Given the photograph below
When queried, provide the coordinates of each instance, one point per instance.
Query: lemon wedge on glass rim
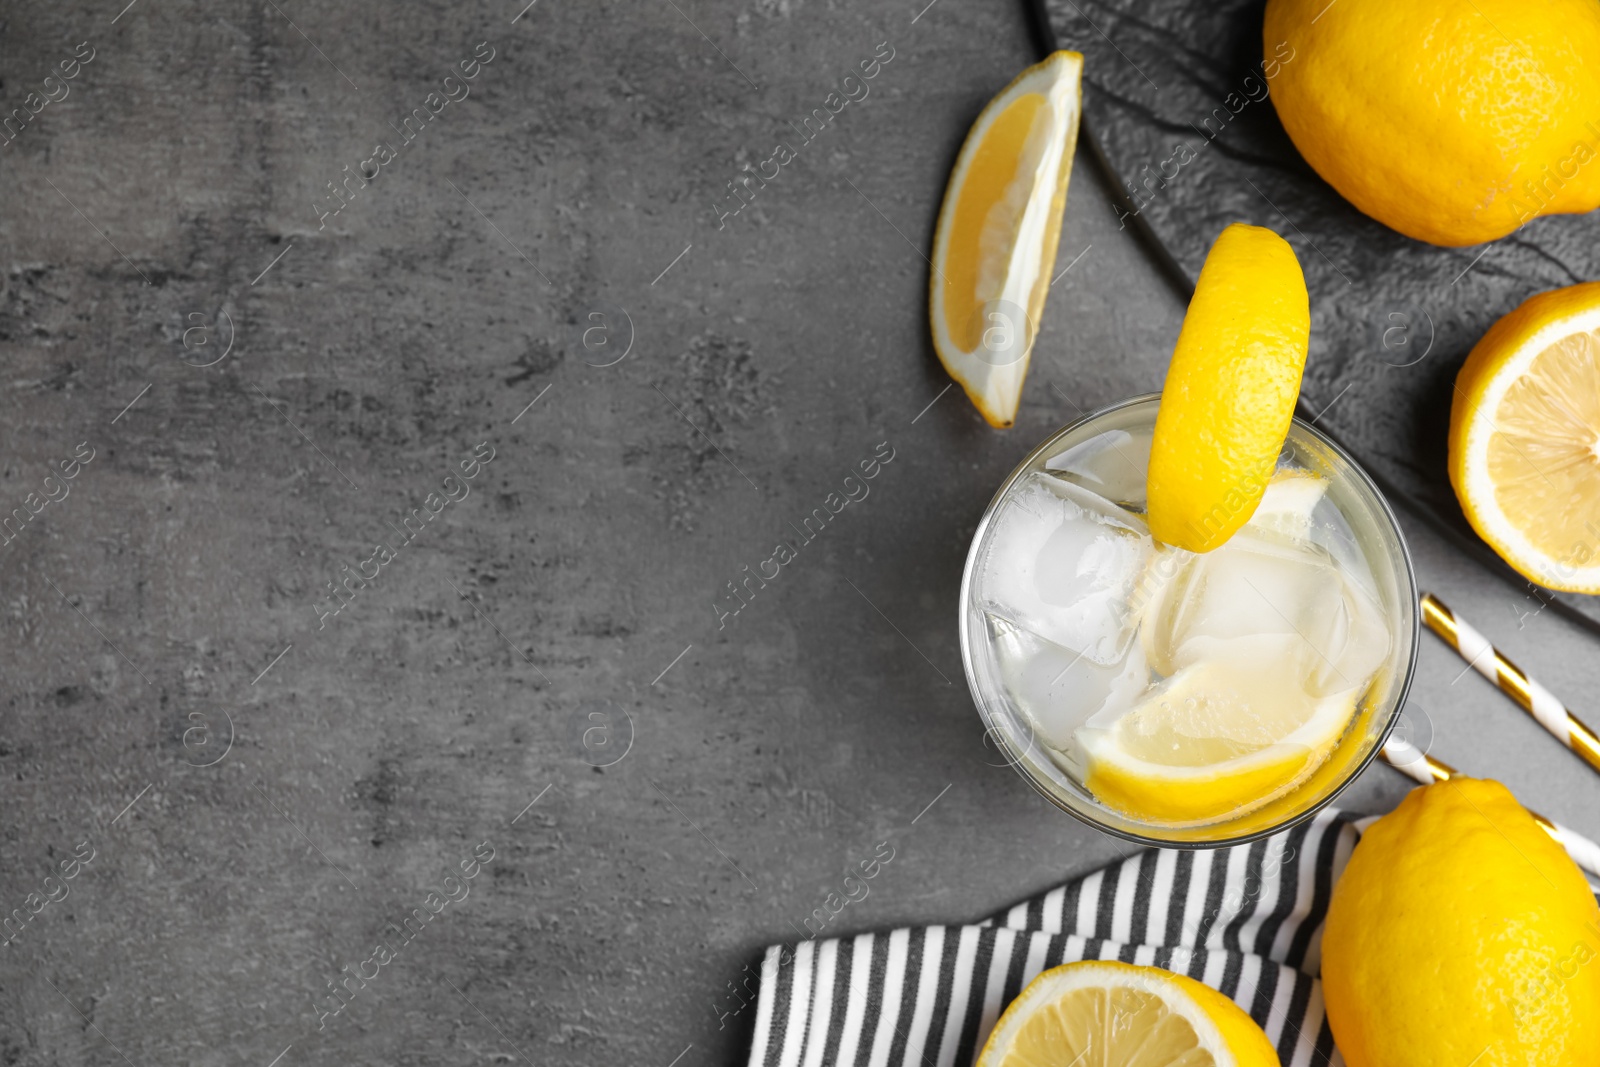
(995, 242)
(1230, 391)
(1110, 1014)
(1525, 438)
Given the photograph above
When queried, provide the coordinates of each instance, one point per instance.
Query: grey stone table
(534, 312)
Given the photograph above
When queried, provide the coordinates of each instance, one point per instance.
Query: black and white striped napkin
(1245, 920)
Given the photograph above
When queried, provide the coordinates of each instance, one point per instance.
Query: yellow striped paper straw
(1414, 763)
(1530, 696)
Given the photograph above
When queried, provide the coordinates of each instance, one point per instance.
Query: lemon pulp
(998, 231)
(989, 213)
(1112, 1014)
(1543, 456)
(1077, 1029)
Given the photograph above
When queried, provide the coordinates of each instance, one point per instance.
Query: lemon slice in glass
(1220, 737)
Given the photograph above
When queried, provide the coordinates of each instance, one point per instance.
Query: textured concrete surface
(537, 674)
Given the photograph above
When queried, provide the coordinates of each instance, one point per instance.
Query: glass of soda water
(1183, 699)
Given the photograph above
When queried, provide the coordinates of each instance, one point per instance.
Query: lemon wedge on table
(1525, 438)
(1221, 736)
(1230, 390)
(1108, 1014)
(996, 238)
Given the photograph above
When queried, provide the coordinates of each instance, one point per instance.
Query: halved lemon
(1218, 738)
(1109, 1014)
(1525, 438)
(996, 239)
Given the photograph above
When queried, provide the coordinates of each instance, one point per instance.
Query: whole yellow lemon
(1461, 933)
(1451, 121)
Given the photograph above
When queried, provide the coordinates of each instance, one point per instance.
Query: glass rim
(1015, 759)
